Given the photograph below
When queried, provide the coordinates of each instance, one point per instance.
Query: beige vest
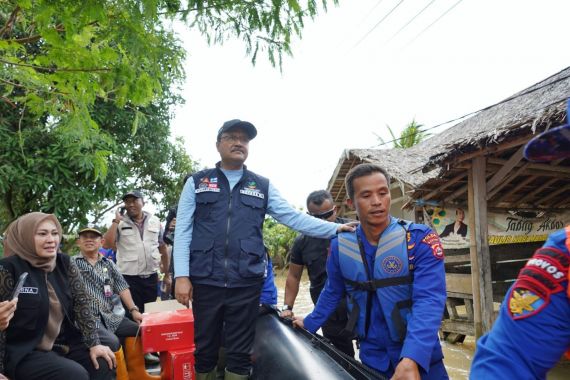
(136, 256)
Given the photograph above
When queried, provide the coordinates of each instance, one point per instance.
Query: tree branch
(10, 23)
(53, 69)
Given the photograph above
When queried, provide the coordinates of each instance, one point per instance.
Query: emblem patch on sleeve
(524, 303)
(432, 240)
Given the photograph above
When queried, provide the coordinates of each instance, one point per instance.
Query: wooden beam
(455, 194)
(481, 238)
(506, 181)
(516, 189)
(437, 191)
(554, 194)
(505, 170)
(532, 194)
(489, 150)
(535, 166)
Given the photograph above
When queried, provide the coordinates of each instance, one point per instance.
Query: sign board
(452, 225)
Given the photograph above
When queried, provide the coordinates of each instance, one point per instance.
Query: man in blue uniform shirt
(219, 256)
(532, 331)
(393, 273)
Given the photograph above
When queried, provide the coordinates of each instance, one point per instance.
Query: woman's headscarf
(20, 241)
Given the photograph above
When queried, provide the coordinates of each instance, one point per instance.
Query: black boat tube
(282, 352)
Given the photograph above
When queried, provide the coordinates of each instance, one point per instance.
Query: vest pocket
(252, 262)
(253, 207)
(201, 259)
(204, 203)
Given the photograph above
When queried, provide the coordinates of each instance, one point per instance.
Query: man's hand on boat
(183, 290)
(407, 369)
(298, 322)
(286, 314)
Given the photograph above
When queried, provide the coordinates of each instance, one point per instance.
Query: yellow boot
(122, 373)
(135, 360)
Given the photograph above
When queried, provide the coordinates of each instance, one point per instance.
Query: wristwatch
(286, 307)
(133, 308)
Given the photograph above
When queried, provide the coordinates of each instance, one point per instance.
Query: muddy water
(457, 356)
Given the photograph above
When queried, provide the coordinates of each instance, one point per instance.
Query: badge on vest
(252, 190)
(392, 265)
(208, 184)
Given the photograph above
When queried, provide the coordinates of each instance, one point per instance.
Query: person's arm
(110, 237)
(182, 240)
(294, 275)
(282, 211)
(121, 287)
(6, 287)
(330, 297)
(130, 304)
(428, 298)
(84, 318)
(292, 284)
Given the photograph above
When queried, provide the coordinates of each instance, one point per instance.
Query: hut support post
(479, 250)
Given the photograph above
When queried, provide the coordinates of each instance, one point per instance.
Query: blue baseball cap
(237, 123)
(551, 145)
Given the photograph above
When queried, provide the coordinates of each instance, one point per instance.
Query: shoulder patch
(541, 277)
(524, 303)
(433, 241)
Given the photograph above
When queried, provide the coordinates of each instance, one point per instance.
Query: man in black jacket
(312, 253)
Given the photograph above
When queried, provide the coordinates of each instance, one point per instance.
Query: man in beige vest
(137, 239)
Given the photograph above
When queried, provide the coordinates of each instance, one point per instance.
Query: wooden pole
(481, 239)
(478, 327)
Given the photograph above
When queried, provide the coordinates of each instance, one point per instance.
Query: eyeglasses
(323, 215)
(235, 138)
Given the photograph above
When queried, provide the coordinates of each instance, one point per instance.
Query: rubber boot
(206, 376)
(135, 360)
(122, 373)
(235, 376)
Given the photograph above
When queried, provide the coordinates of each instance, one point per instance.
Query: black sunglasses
(323, 215)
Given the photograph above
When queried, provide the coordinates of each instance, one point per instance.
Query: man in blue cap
(532, 331)
(219, 257)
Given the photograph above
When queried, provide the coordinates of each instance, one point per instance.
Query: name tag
(29, 290)
(210, 189)
(252, 193)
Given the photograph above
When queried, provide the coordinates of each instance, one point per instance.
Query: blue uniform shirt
(421, 344)
(525, 346)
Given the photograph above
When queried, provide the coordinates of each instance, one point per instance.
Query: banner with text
(452, 225)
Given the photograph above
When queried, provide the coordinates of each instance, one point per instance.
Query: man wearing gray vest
(137, 239)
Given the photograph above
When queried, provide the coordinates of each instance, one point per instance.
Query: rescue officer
(393, 272)
(141, 252)
(532, 330)
(312, 253)
(219, 256)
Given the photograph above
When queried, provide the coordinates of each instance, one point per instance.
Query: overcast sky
(349, 78)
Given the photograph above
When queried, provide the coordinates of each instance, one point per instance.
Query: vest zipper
(227, 241)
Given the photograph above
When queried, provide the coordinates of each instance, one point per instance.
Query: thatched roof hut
(435, 169)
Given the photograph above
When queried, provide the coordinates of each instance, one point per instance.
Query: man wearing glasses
(219, 257)
(312, 253)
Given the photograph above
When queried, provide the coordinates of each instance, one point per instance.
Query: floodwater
(457, 356)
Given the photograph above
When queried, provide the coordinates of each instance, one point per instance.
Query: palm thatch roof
(435, 169)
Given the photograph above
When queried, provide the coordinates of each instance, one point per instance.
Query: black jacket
(27, 326)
